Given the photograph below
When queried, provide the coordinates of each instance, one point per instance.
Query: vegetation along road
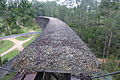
(17, 45)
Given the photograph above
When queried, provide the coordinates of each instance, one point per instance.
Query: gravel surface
(57, 49)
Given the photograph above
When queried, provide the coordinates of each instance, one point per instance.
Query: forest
(96, 22)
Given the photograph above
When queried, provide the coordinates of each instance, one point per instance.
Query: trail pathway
(17, 45)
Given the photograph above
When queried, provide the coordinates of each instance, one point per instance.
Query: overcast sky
(47, 0)
(59, 1)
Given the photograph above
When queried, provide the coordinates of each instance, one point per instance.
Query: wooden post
(62, 76)
(39, 76)
(65, 76)
(47, 76)
(43, 76)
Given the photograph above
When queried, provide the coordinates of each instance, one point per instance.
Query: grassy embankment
(22, 38)
(5, 45)
(30, 41)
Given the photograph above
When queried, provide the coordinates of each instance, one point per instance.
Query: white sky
(60, 0)
(47, 0)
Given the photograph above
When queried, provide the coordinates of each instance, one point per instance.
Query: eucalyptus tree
(38, 8)
(49, 8)
(109, 12)
(3, 12)
(15, 14)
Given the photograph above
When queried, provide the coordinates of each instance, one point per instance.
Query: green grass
(22, 38)
(11, 55)
(5, 45)
(30, 41)
(24, 30)
(8, 76)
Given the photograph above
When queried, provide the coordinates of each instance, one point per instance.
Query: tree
(108, 10)
(17, 14)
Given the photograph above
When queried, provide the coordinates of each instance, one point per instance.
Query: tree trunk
(104, 50)
(109, 43)
(46, 76)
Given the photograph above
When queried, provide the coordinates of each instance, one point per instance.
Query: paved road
(13, 36)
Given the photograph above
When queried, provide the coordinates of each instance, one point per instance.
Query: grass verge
(30, 41)
(22, 38)
(5, 45)
(10, 55)
(8, 76)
